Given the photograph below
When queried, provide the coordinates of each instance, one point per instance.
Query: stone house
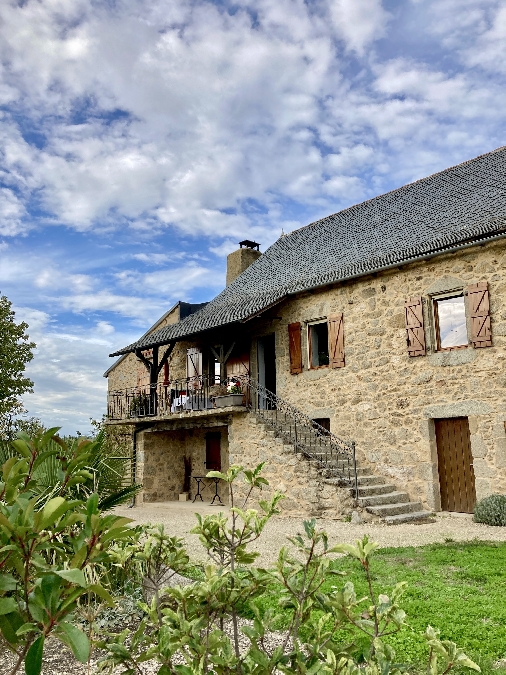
(366, 351)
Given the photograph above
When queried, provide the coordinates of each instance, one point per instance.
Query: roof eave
(439, 250)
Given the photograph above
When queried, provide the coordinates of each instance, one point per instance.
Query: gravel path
(179, 519)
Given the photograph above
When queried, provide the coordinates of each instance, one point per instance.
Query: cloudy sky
(141, 139)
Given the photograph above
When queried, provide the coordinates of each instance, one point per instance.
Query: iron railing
(163, 399)
(332, 454)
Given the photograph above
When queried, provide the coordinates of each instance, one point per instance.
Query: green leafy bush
(198, 628)
(54, 544)
(105, 474)
(491, 510)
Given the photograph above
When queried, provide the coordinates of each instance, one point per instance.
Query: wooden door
(213, 452)
(455, 462)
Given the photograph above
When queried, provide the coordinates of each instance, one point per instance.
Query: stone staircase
(376, 495)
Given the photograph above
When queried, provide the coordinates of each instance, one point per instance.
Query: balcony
(198, 396)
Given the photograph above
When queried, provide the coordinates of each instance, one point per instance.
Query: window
(318, 334)
(323, 422)
(450, 323)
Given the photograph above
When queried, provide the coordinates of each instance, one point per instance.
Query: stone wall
(382, 399)
(305, 491)
(160, 465)
(387, 401)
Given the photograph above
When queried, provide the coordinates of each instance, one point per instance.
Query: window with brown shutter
(294, 338)
(318, 344)
(415, 333)
(479, 314)
(336, 341)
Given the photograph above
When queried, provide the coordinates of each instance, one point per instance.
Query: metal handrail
(333, 454)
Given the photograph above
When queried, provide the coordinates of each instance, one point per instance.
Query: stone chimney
(239, 260)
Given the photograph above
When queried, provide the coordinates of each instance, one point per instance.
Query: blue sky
(141, 140)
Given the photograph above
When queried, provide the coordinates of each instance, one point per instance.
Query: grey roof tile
(464, 203)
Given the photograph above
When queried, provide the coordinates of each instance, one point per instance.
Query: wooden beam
(153, 373)
(222, 359)
(141, 357)
(166, 356)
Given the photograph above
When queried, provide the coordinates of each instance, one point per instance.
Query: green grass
(458, 588)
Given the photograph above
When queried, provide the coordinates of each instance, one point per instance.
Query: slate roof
(463, 204)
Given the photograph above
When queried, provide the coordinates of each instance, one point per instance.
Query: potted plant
(233, 396)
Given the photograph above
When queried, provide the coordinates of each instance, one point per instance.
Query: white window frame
(315, 322)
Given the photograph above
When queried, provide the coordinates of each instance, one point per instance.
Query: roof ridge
(401, 187)
(461, 206)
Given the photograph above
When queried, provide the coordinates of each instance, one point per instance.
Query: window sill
(454, 357)
(317, 367)
(452, 349)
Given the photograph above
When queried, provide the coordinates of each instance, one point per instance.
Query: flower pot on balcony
(228, 399)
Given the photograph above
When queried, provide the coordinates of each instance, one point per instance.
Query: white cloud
(67, 369)
(152, 258)
(359, 22)
(222, 106)
(12, 211)
(104, 328)
(224, 248)
(173, 283)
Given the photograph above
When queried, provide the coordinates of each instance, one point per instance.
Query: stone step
(394, 497)
(395, 509)
(362, 478)
(370, 479)
(414, 517)
(369, 490)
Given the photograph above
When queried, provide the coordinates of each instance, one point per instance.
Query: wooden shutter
(479, 312)
(336, 341)
(415, 334)
(294, 339)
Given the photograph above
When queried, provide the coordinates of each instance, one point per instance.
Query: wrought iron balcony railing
(330, 453)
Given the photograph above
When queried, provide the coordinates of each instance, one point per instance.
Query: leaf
(74, 576)
(9, 623)
(22, 448)
(76, 640)
(7, 581)
(26, 628)
(7, 605)
(33, 660)
(7, 467)
(102, 593)
(54, 508)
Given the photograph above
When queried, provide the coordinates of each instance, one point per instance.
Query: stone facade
(382, 399)
(387, 401)
(160, 461)
(305, 492)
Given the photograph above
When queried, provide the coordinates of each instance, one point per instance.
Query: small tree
(15, 352)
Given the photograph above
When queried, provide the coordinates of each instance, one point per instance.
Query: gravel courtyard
(179, 518)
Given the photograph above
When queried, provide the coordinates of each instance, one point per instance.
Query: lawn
(459, 588)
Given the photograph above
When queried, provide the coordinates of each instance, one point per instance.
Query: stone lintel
(459, 409)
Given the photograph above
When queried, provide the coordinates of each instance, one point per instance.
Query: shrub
(196, 629)
(491, 510)
(54, 546)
